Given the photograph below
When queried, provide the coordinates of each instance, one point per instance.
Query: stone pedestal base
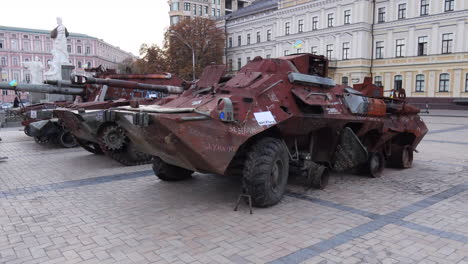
(66, 73)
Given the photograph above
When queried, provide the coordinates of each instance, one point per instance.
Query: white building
(420, 45)
(179, 9)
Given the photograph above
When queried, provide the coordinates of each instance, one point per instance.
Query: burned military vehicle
(95, 132)
(273, 115)
(38, 120)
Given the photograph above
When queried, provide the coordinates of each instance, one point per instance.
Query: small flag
(298, 44)
(13, 83)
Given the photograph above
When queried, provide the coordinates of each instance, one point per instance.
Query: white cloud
(122, 23)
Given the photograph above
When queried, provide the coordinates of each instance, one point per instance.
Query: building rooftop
(42, 31)
(255, 7)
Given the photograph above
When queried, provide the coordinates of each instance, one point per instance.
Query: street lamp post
(177, 35)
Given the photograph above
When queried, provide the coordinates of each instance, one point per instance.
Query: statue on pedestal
(36, 69)
(59, 52)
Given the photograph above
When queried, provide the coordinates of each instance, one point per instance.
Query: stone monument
(60, 66)
(36, 69)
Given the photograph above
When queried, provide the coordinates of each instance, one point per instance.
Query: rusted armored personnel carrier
(93, 129)
(272, 116)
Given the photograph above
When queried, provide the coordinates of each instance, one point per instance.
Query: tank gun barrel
(170, 89)
(43, 88)
(63, 83)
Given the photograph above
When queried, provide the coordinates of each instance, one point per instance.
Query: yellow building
(418, 45)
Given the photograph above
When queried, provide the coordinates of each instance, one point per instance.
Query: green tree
(203, 36)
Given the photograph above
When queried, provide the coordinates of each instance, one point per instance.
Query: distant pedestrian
(16, 102)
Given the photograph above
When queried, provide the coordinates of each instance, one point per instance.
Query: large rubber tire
(27, 130)
(401, 157)
(66, 139)
(376, 164)
(90, 146)
(168, 172)
(266, 172)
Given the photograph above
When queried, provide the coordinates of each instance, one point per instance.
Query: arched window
(344, 80)
(420, 83)
(3, 61)
(444, 82)
(79, 64)
(398, 82)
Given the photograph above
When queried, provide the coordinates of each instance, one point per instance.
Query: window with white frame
(258, 37)
(230, 65)
(14, 44)
(314, 50)
(315, 23)
(400, 48)
(300, 25)
(239, 40)
(402, 11)
(37, 45)
(379, 50)
(424, 11)
(239, 63)
(194, 9)
(287, 28)
(344, 80)
(329, 51)
(269, 35)
(268, 56)
(186, 6)
(15, 62)
(447, 43)
(422, 46)
(420, 79)
(3, 61)
(78, 49)
(398, 82)
(346, 51)
(449, 5)
(347, 17)
(69, 48)
(2, 43)
(248, 39)
(286, 52)
(378, 81)
(330, 20)
(26, 45)
(444, 82)
(381, 15)
(230, 42)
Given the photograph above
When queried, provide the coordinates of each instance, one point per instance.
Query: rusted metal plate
(211, 75)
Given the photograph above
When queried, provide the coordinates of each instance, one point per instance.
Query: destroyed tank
(37, 119)
(92, 128)
(273, 119)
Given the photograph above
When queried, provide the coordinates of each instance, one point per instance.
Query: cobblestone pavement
(70, 206)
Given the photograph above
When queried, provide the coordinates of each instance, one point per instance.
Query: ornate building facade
(203, 8)
(418, 45)
(19, 45)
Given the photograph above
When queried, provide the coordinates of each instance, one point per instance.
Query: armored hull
(272, 116)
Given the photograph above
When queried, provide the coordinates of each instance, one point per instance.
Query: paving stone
(69, 206)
